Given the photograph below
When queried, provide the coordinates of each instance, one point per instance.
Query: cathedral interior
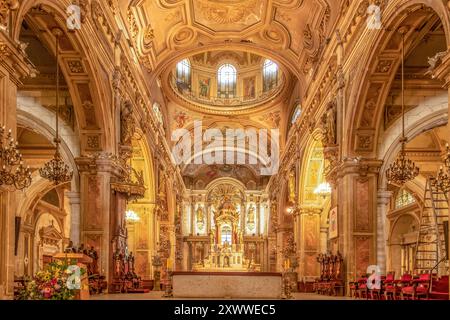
(282, 147)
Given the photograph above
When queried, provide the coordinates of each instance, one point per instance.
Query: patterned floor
(159, 296)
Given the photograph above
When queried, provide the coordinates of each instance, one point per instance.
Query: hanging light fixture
(131, 216)
(447, 158)
(56, 170)
(443, 181)
(13, 173)
(403, 169)
(323, 190)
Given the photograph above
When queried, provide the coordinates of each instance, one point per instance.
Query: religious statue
(329, 125)
(211, 237)
(70, 248)
(117, 257)
(82, 249)
(200, 216)
(130, 262)
(127, 124)
(251, 215)
(93, 254)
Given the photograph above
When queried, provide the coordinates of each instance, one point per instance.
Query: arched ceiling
(294, 32)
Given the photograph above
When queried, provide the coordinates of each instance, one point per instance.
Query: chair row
(408, 287)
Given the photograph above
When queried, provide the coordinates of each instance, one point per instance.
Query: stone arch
(84, 77)
(39, 184)
(428, 115)
(365, 110)
(141, 234)
(403, 223)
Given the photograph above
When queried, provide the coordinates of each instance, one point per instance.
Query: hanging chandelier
(447, 158)
(403, 169)
(13, 173)
(443, 181)
(56, 170)
(323, 190)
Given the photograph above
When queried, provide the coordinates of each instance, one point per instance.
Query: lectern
(81, 260)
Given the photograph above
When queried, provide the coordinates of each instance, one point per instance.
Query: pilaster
(356, 199)
(13, 67)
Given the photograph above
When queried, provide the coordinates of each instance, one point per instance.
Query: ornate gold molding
(14, 59)
(442, 71)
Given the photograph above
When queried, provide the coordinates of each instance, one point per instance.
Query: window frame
(226, 82)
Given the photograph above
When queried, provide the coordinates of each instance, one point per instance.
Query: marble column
(75, 216)
(382, 228)
(258, 217)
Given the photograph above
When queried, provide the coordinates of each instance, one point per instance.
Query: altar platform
(227, 285)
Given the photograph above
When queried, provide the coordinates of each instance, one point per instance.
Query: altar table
(220, 285)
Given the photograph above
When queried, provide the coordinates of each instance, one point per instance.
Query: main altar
(224, 230)
(226, 247)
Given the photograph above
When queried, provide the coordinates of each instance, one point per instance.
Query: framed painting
(333, 228)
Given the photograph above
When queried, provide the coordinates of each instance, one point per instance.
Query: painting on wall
(311, 232)
(333, 231)
(204, 87)
(249, 88)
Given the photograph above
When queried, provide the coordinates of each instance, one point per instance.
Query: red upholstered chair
(393, 288)
(419, 288)
(362, 291)
(376, 293)
(353, 286)
(439, 289)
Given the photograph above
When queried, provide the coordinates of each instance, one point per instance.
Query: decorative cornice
(310, 210)
(14, 59)
(358, 166)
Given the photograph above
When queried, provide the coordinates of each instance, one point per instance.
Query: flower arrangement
(58, 281)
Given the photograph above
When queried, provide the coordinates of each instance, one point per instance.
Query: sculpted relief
(230, 14)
